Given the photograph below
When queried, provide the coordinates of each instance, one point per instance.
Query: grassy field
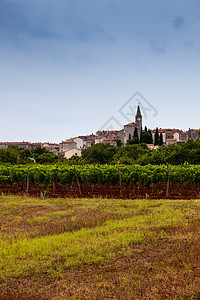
(99, 249)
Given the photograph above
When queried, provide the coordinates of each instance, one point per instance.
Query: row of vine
(101, 174)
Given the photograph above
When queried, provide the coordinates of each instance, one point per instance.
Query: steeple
(138, 112)
(138, 121)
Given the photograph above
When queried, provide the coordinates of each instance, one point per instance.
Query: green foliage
(135, 135)
(119, 143)
(14, 155)
(146, 137)
(156, 140)
(140, 154)
(103, 173)
(39, 151)
(161, 139)
(99, 154)
(46, 158)
(132, 141)
(132, 153)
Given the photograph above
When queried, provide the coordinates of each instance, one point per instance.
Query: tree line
(14, 155)
(188, 152)
(146, 137)
(132, 153)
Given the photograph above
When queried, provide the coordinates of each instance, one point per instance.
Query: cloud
(178, 22)
(86, 31)
(18, 19)
(158, 47)
(189, 44)
(49, 20)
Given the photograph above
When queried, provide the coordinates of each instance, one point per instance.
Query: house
(21, 145)
(180, 135)
(51, 147)
(73, 143)
(170, 134)
(71, 147)
(89, 142)
(181, 141)
(106, 133)
(61, 153)
(152, 146)
(171, 141)
(193, 134)
(110, 141)
(66, 146)
(72, 152)
(35, 145)
(99, 139)
(166, 133)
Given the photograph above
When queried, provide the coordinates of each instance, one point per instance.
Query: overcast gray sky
(68, 66)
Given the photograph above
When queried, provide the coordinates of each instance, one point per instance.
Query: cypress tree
(136, 135)
(150, 141)
(140, 138)
(161, 139)
(156, 139)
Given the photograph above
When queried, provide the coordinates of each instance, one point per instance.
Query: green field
(99, 249)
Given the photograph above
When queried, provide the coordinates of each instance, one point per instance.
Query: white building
(72, 152)
(74, 143)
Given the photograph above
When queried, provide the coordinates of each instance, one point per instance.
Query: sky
(73, 67)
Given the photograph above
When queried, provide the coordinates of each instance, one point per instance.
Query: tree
(161, 139)
(39, 150)
(132, 141)
(146, 137)
(119, 142)
(99, 153)
(139, 138)
(156, 139)
(150, 137)
(47, 158)
(135, 135)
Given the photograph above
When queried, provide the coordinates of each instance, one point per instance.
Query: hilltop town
(73, 146)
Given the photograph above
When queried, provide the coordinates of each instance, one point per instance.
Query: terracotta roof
(107, 131)
(167, 130)
(67, 142)
(109, 140)
(70, 140)
(171, 139)
(15, 143)
(130, 124)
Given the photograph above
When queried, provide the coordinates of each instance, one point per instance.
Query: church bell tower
(138, 121)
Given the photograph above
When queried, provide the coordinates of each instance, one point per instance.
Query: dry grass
(99, 249)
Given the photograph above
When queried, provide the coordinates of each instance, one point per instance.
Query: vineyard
(110, 181)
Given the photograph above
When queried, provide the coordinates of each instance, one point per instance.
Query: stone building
(73, 143)
(129, 129)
